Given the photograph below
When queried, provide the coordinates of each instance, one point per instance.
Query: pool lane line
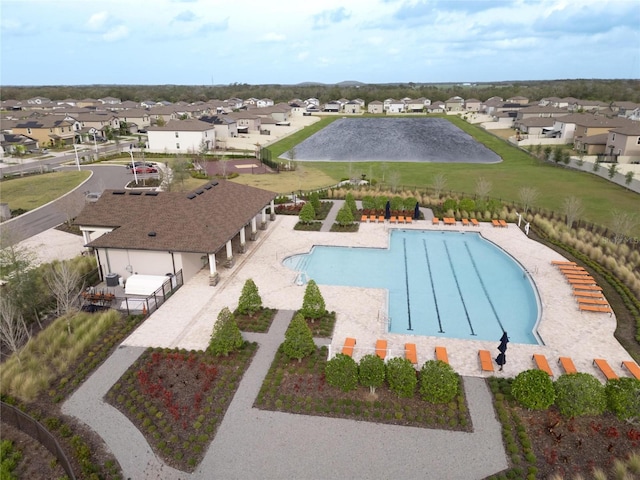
(455, 277)
(406, 281)
(433, 288)
(484, 288)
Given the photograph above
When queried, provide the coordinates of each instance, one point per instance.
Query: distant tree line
(586, 89)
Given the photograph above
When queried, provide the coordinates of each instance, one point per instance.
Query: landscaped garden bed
(259, 322)
(301, 387)
(177, 399)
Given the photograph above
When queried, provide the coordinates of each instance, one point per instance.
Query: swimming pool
(446, 284)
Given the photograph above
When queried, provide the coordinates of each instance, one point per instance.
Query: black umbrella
(502, 348)
(501, 360)
(416, 212)
(387, 210)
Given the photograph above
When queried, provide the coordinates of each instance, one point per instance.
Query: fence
(37, 431)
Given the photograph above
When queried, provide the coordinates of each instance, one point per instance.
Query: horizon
(207, 43)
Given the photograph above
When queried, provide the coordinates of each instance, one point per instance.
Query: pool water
(444, 284)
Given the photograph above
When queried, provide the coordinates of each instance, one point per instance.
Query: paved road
(68, 206)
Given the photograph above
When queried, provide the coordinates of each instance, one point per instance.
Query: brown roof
(195, 222)
(188, 125)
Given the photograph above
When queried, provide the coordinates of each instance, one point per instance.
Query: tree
(226, 336)
(371, 372)
(177, 173)
(394, 180)
(64, 281)
(298, 339)
(307, 213)
(70, 205)
(314, 198)
(439, 383)
(628, 177)
(313, 305)
(401, 377)
(622, 224)
(557, 154)
(439, 183)
(548, 152)
(483, 187)
(250, 301)
(351, 203)
(528, 196)
(572, 209)
(342, 372)
(13, 329)
(161, 121)
(612, 170)
(344, 216)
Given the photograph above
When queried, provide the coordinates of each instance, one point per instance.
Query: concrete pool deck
(361, 312)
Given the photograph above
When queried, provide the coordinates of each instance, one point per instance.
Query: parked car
(145, 169)
(140, 164)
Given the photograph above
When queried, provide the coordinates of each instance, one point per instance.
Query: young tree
(401, 377)
(557, 154)
(612, 170)
(226, 336)
(548, 152)
(70, 205)
(177, 173)
(313, 305)
(250, 301)
(394, 180)
(573, 209)
(64, 281)
(344, 216)
(342, 372)
(528, 196)
(351, 203)
(371, 372)
(13, 329)
(628, 177)
(622, 223)
(307, 213)
(314, 199)
(439, 183)
(298, 339)
(483, 187)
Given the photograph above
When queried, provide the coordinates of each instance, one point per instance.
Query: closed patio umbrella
(502, 348)
(387, 210)
(416, 212)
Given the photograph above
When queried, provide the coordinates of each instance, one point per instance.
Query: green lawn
(518, 169)
(36, 190)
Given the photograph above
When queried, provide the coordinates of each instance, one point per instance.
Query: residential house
(519, 99)
(298, 108)
(235, 103)
(101, 122)
(162, 112)
(10, 143)
(392, 106)
(541, 112)
(533, 126)
(332, 107)
(164, 234)
(624, 142)
(312, 101)
(352, 107)
(575, 125)
(38, 101)
(454, 104)
(110, 101)
(376, 107)
(628, 110)
(224, 126)
(89, 103)
(592, 144)
(148, 103)
(417, 105)
(181, 136)
(592, 106)
(436, 107)
(135, 116)
(247, 122)
(47, 130)
(472, 105)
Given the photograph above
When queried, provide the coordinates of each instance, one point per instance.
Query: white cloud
(273, 37)
(116, 33)
(97, 20)
(303, 56)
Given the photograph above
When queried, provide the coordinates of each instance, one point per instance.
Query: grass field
(518, 169)
(36, 190)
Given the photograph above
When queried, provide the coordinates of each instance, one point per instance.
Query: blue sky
(200, 42)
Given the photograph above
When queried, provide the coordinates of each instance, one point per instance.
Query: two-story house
(181, 136)
(48, 130)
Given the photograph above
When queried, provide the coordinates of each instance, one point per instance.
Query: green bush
(449, 204)
(307, 213)
(344, 216)
(250, 301)
(298, 339)
(397, 203)
(623, 397)
(533, 389)
(467, 204)
(314, 199)
(381, 202)
(369, 202)
(313, 305)
(342, 372)
(9, 457)
(371, 372)
(438, 382)
(401, 377)
(226, 336)
(350, 203)
(580, 394)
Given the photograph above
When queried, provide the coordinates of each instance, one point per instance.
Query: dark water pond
(393, 140)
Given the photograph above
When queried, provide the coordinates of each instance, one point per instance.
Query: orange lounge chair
(393, 219)
(570, 268)
(441, 354)
(542, 364)
(400, 218)
(381, 348)
(578, 276)
(592, 301)
(594, 308)
(349, 344)
(408, 219)
(503, 223)
(372, 218)
(604, 367)
(381, 219)
(567, 365)
(575, 281)
(562, 262)
(486, 362)
(633, 368)
(591, 288)
(450, 221)
(410, 353)
(465, 222)
(475, 222)
(435, 221)
(578, 293)
(495, 223)
(364, 218)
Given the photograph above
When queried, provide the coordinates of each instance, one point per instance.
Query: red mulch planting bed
(177, 399)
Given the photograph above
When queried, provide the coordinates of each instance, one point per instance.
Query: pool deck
(361, 312)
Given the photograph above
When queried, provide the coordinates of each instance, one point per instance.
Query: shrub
(397, 203)
(350, 203)
(438, 382)
(298, 339)
(250, 301)
(313, 305)
(580, 394)
(344, 216)
(623, 397)
(533, 389)
(401, 377)
(314, 199)
(371, 372)
(449, 204)
(342, 372)
(368, 202)
(308, 213)
(226, 336)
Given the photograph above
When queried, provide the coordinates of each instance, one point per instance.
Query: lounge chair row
(381, 219)
(452, 221)
(499, 223)
(381, 349)
(587, 292)
(569, 367)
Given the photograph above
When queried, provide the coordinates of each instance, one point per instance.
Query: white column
(273, 210)
(264, 215)
(86, 236)
(229, 251)
(242, 237)
(212, 264)
(253, 225)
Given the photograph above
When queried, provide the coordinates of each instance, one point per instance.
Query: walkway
(252, 443)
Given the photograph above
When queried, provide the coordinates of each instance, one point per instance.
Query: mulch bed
(239, 166)
(260, 322)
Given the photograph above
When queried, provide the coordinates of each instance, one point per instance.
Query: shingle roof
(188, 125)
(197, 222)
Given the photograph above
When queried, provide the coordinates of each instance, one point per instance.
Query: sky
(205, 42)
